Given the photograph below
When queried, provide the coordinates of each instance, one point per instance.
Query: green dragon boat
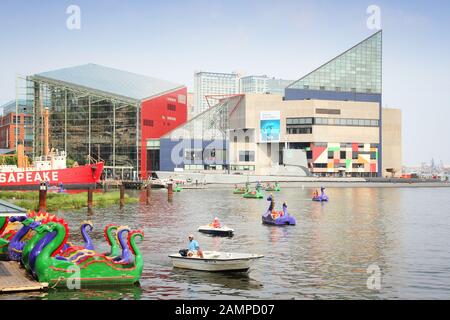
(274, 188)
(177, 188)
(91, 267)
(256, 194)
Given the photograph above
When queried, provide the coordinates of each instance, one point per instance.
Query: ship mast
(46, 149)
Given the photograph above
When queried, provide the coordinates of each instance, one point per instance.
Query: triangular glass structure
(356, 70)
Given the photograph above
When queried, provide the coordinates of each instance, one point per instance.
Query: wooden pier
(13, 278)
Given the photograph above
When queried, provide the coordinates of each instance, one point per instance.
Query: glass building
(103, 114)
(356, 75)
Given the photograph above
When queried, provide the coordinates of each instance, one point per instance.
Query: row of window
(343, 154)
(242, 168)
(299, 130)
(246, 156)
(339, 165)
(332, 122)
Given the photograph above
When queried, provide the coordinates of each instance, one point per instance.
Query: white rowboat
(216, 261)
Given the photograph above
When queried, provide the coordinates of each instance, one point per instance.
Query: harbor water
(400, 236)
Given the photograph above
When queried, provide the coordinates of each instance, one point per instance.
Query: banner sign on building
(270, 126)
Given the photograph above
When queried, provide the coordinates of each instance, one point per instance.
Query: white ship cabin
(54, 161)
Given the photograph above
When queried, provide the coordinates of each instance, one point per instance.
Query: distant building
(213, 83)
(263, 84)
(17, 127)
(190, 105)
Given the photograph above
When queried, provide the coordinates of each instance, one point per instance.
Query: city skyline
(287, 41)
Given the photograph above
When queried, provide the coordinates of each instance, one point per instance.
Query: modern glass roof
(113, 81)
(356, 70)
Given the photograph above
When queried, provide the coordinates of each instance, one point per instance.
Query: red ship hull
(77, 177)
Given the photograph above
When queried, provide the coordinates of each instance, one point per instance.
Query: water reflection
(326, 255)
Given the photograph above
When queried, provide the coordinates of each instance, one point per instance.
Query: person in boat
(194, 247)
(216, 223)
(316, 194)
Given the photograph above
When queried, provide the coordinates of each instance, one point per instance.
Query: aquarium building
(100, 113)
(330, 122)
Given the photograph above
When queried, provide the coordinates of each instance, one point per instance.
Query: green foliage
(8, 160)
(69, 162)
(60, 201)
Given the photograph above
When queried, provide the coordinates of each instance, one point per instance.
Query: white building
(213, 83)
(263, 84)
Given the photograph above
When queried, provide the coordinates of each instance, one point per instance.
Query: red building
(10, 123)
(97, 112)
(160, 115)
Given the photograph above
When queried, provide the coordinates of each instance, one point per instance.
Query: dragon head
(87, 224)
(121, 230)
(109, 227)
(132, 235)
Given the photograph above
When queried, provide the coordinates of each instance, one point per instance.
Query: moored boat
(215, 261)
(50, 169)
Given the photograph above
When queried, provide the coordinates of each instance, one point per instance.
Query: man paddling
(194, 248)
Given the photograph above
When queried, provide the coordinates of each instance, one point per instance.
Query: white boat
(222, 231)
(216, 261)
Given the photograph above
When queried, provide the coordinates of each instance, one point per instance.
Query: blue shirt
(193, 245)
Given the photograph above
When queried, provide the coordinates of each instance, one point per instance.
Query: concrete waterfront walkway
(221, 179)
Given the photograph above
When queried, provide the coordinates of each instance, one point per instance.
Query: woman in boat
(216, 223)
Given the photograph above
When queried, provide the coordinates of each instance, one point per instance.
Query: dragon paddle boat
(281, 218)
(241, 190)
(177, 188)
(255, 194)
(90, 268)
(320, 198)
(9, 226)
(14, 230)
(275, 187)
(67, 250)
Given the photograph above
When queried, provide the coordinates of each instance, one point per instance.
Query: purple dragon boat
(322, 197)
(281, 219)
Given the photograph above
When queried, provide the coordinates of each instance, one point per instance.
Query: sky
(285, 39)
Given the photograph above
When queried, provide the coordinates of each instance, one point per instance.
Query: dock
(13, 278)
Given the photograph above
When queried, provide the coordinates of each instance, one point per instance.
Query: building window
(299, 130)
(171, 107)
(148, 123)
(330, 155)
(328, 111)
(320, 165)
(343, 155)
(193, 154)
(246, 156)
